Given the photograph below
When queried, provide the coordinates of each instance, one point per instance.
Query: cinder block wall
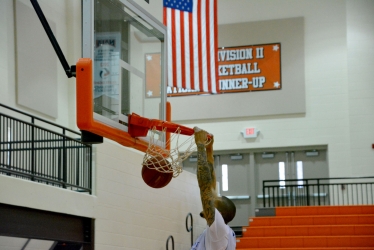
(131, 215)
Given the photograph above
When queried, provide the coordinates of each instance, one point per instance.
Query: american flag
(192, 44)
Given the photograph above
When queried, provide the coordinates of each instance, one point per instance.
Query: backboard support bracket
(87, 136)
(91, 138)
(69, 70)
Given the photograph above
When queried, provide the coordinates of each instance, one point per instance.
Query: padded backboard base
(85, 110)
(91, 138)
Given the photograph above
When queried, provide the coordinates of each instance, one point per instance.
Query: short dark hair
(227, 208)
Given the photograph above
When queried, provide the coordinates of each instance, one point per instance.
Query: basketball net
(169, 159)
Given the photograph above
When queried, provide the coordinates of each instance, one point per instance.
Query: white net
(168, 160)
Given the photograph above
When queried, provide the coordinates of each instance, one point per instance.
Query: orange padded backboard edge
(85, 120)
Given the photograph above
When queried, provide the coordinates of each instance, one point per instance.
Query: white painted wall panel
(36, 63)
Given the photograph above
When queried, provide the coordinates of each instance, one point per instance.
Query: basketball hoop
(169, 143)
(173, 156)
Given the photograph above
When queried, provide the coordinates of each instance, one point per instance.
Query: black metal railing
(172, 242)
(190, 228)
(38, 150)
(318, 192)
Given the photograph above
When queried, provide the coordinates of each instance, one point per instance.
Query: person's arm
(205, 174)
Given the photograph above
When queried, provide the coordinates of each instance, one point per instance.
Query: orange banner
(249, 68)
(153, 75)
(240, 69)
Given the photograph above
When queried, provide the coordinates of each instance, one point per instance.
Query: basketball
(154, 178)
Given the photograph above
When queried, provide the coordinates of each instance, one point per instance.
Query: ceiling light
(312, 153)
(236, 157)
(267, 155)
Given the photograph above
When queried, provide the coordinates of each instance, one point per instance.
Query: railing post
(278, 198)
(307, 194)
(90, 170)
(190, 229)
(32, 148)
(172, 242)
(77, 162)
(64, 161)
(319, 196)
(263, 193)
(10, 143)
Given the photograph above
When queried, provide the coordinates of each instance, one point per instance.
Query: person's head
(226, 207)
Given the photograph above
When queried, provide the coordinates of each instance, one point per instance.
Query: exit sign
(250, 133)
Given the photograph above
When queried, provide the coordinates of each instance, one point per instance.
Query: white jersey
(218, 236)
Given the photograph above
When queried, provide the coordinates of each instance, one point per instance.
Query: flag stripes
(193, 46)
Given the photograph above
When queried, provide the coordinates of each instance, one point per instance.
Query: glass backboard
(121, 38)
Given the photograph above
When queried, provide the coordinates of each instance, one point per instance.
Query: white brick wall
(7, 82)
(360, 21)
(131, 215)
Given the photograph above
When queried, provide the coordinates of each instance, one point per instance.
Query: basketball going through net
(169, 145)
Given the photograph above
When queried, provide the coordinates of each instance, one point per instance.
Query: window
(282, 174)
(299, 173)
(225, 181)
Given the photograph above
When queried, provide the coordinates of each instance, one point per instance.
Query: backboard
(119, 40)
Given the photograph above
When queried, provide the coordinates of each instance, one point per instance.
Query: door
(233, 176)
(289, 165)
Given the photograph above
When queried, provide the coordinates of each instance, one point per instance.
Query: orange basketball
(154, 178)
